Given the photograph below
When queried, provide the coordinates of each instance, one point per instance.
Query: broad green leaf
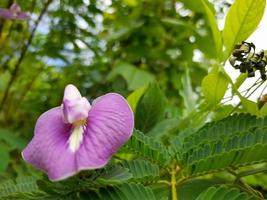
(135, 96)
(150, 109)
(242, 19)
(214, 29)
(250, 106)
(134, 76)
(214, 87)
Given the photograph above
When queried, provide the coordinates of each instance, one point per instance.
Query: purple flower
(14, 12)
(78, 136)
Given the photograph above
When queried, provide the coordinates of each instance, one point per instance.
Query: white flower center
(76, 136)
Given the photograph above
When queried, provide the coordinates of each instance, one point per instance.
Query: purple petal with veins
(67, 141)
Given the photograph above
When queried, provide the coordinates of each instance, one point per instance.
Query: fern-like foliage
(148, 148)
(22, 184)
(128, 191)
(224, 192)
(234, 141)
(142, 171)
(223, 129)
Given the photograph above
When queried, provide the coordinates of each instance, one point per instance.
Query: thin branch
(23, 53)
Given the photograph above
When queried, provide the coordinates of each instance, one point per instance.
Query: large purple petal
(49, 148)
(110, 125)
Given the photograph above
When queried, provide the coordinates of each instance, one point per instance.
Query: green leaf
(187, 93)
(135, 96)
(177, 143)
(224, 192)
(224, 128)
(129, 191)
(12, 139)
(23, 184)
(250, 106)
(214, 87)
(142, 170)
(134, 76)
(263, 110)
(5, 158)
(214, 28)
(240, 80)
(4, 77)
(176, 22)
(223, 111)
(191, 189)
(242, 19)
(163, 128)
(234, 141)
(131, 3)
(196, 5)
(114, 175)
(147, 147)
(150, 109)
(242, 149)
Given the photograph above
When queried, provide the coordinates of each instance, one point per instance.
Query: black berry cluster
(247, 61)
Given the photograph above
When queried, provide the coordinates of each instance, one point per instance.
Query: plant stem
(174, 170)
(251, 172)
(164, 182)
(242, 185)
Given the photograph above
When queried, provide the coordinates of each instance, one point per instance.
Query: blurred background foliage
(101, 46)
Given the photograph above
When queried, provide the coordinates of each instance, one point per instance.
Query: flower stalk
(174, 171)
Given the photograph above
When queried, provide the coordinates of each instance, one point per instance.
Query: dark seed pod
(232, 60)
(248, 62)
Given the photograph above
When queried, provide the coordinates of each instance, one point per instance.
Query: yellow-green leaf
(135, 96)
(242, 19)
(250, 106)
(214, 87)
(217, 38)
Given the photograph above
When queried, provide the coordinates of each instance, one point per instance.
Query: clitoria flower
(14, 12)
(78, 136)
